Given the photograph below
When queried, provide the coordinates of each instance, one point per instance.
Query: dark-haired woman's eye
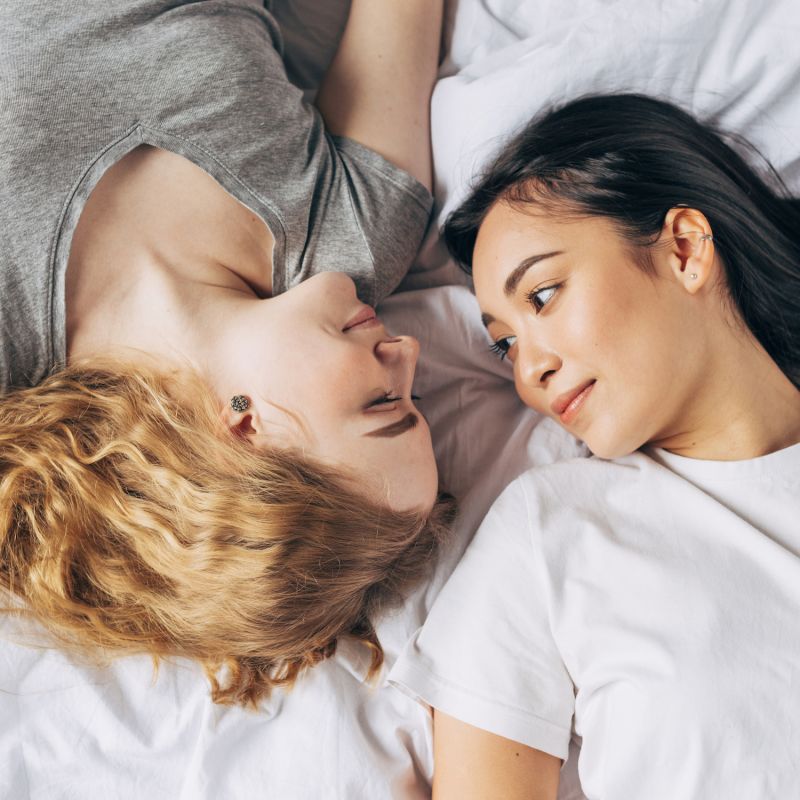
(539, 298)
(501, 346)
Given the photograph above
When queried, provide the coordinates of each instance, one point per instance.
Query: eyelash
(501, 347)
(386, 397)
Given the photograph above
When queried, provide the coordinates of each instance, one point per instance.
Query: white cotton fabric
(649, 606)
(732, 62)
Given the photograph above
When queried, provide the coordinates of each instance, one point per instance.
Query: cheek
(532, 397)
(597, 321)
(330, 370)
(610, 327)
(306, 392)
(648, 346)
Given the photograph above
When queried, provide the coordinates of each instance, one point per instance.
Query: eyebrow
(513, 280)
(408, 422)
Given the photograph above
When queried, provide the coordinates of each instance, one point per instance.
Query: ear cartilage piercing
(240, 403)
(707, 237)
(693, 276)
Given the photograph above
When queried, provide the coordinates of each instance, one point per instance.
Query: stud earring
(693, 276)
(240, 403)
(707, 237)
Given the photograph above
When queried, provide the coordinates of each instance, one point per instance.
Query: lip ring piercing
(240, 403)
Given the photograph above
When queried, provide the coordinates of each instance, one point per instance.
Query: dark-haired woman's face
(612, 352)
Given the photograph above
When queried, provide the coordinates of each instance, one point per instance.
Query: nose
(398, 349)
(398, 355)
(535, 365)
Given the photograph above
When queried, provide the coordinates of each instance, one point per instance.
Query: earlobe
(244, 428)
(239, 417)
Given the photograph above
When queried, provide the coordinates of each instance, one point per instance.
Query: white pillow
(734, 61)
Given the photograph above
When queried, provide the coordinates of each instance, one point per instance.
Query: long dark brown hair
(632, 158)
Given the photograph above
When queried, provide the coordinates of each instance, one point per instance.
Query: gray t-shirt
(82, 84)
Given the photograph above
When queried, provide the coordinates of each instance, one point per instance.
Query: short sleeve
(212, 79)
(391, 207)
(331, 203)
(486, 655)
(366, 217)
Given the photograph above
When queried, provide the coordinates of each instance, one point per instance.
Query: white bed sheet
(69, 731)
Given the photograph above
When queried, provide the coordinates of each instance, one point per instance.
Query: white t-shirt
(649, 606)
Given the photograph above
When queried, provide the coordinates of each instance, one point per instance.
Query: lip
(364, 318)
(567, 405)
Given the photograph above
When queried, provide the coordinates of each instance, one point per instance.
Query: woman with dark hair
(208, 444)
(644, 282)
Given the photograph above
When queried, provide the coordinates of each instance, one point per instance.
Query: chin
(423, 497)
(610, 446)
(415, 488)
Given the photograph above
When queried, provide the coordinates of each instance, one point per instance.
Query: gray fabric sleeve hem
(399, 178)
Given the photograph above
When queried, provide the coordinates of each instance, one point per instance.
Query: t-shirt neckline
(780, 462)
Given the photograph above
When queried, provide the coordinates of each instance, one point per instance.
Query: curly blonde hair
(131, 521)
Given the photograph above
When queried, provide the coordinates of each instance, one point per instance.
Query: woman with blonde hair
(208, 444)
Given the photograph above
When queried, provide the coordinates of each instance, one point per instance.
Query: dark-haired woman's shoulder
(581, 485)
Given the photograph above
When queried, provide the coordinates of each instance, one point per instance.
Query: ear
(240, 416)
(689, 245)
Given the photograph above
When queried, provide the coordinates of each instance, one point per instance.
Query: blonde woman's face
(323, 375)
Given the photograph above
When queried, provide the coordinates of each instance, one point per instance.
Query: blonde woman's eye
(386, 397)
(541, 297)
(501, 346)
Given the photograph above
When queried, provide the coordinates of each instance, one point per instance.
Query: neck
(158, 312)
(156, 238)
(743, 407)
